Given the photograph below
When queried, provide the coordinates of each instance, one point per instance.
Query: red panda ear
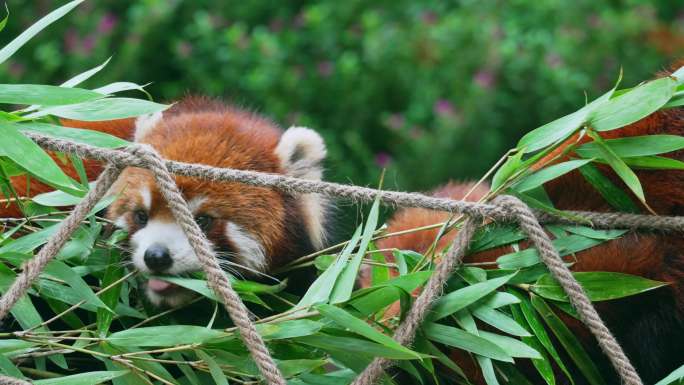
(301, 151)
(144, 124)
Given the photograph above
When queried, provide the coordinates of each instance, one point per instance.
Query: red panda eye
(204, 221)
(140, 217)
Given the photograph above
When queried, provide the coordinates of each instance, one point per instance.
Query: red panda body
(649, 326)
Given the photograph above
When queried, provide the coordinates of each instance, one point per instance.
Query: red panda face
(252, 229)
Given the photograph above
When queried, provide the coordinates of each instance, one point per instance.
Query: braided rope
(216, 277)
(32, 268)
(504, 209)
(4, 380)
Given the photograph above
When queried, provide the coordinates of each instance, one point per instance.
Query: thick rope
(216, 277)
(406, 331)
(362, 194)
(146, 157)
(4, 380)
(576, 294)
(34, 266)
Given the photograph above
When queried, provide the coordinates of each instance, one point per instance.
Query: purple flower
(184, 49)
(383, 159)
(107, 23)
(276, 25)
(16, 70)
(395, 121)
(429, 17)
(88, 43)
(325, 68)
(484, 78)
(443, 107)
(71, 41)
(553, 60)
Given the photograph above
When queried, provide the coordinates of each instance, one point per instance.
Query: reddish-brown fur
(650, 326)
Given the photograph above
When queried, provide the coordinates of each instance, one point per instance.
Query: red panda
(253, 229)
(649, 326)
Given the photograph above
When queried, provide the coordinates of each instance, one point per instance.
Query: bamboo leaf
(614, 195)
(90, 378)
(599, 285)
(461, 298)
(460, 339)
(45, 95)
(547, 174)
(102, 109)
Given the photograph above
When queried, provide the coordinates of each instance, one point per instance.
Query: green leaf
(379, 273)
(633, 105)
(569, 341)
(45, 95)
(65, 273)
(93, 138)
(499, 320)
(31, 31)
(634, 146)
(345, 283)
(460, 339)
(511, 346)
(32, 158)
(614, 195)
(461, 298)
(566, 245)
(57, 199)
(561, 128)
(89, 378)
(356, 345)
(110, 297)
(214, 368)
(654, 162)
(549, 173)
(102, 109)
(346, 320)
(543, 363)
(3, 23)
(599, 285)
(677, 375)
(322, 287)
(288, 329)
(163, 336)
(507, 169)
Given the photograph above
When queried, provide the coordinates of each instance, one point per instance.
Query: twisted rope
(4, 380)
(32, 268)
(504, 209)
(361, 194)
(216, 277)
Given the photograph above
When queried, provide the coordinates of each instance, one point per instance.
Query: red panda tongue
(158, 285)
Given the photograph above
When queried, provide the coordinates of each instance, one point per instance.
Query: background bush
(397, 84)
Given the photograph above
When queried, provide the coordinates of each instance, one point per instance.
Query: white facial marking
(250, 251)
(196, 202)
(146, 197)
(167, 234)
(144, 124)
(121, 222)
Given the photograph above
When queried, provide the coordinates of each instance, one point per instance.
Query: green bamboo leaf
(512, 164)
(379, 273)
(674, 377)
(542, 364)
(460, 339)
(345, 283)
(654, 163)
(90, 378)
(288, 329)
(566, 245)
(32, 158)
(214, 368)
(569, 341)
(3, 23)
(348, 321)
(614, 195)
(620, 167)
(499, 320)
(163, 336)
(512, 346)
(110, 298)
(45, 95)
(358, 346)
(633, 105)
(65, 273)
(562, 128)
(547, 174)
(461, 298)
(634, 146)
(487, 368)
(31, 31)
(321, 289)
(93, 138)
(102, 109)
(599, 285)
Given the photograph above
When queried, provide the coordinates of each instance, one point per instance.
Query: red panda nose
(158, 258)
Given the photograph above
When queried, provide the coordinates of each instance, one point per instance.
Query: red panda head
(252, 229)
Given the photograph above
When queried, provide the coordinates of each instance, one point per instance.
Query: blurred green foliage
(431, 90)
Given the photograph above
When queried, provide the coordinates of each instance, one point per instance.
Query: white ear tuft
(301, 151)
(145, 123)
